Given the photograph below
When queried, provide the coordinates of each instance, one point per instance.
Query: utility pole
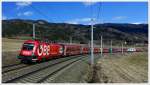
(110, 46)
(70, 40)
(33, 31)
(122, 47)
(92, 55)
(101, 45)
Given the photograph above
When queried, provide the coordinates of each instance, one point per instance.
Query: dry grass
(127, 68)
(10, 49)
(140, 60)
(11, 44)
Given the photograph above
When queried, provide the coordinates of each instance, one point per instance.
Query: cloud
(27, 13)
(22, 4)
(119, 18)
(137, 23)
(4, 17)
(80, 21)
(89, 3)
(83, 19)
(72, 22)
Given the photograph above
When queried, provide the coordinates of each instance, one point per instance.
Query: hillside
(80, 33)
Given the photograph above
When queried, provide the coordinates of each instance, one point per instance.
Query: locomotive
(35, 50)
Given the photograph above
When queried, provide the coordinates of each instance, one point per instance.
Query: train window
(28, 46)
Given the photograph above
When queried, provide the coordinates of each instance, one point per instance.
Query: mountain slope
(63, 31)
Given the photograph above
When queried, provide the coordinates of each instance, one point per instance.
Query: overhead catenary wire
(44, 16)
(98, 21)
(99, 10)
(41, 13)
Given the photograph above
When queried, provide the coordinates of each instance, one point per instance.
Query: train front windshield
(28, 46)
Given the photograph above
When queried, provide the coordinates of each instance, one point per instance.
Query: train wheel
(43, 59)
(37, 61)
(25, 61)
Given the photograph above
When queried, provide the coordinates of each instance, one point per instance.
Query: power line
(41, 13)
(92, 14)
(44, 15)
(99, 10)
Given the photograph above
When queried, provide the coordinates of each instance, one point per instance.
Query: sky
(78, 12)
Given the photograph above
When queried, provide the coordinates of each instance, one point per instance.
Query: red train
(35, 50)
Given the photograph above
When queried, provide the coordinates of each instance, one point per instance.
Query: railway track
(6, 66)
(63, 76)
(28, 73)
(122, 72)
(41, 75)
(13, 67)
(128, 72)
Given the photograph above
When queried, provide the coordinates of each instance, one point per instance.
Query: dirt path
(118, 68)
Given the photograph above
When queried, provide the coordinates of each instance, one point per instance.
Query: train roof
(31, 41)
(67, 44)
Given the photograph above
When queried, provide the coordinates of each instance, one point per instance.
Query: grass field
(127, 68)
(10, 49)
(11, 44)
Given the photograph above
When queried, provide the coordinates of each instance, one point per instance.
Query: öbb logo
(43, 50)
